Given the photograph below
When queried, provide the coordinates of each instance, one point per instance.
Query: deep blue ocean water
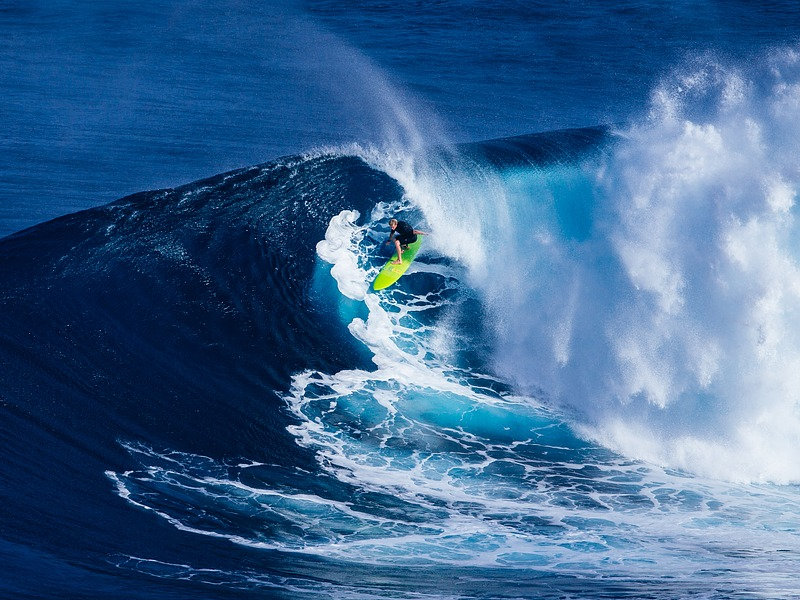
(587, 385)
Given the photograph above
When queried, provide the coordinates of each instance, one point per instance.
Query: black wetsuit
(405, 233)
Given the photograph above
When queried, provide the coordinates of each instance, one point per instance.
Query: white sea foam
(679, 313)
(338, 248)
(673, 330)
(705, 232)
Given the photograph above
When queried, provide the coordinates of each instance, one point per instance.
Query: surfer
(405, 235)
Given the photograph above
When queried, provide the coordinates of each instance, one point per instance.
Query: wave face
(585, 385)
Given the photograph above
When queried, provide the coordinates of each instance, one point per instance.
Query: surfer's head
(392, 223)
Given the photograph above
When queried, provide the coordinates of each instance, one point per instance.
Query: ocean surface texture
(586, 386)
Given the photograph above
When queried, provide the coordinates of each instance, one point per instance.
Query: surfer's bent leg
(399, 252)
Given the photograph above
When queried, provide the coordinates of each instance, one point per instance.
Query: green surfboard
(391, 272)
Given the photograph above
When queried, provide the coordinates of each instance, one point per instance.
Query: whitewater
(655, 284)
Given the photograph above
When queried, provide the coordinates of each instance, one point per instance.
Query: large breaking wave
(591, 369)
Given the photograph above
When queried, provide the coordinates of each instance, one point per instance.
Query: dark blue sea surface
(586, 386)
(105, 99)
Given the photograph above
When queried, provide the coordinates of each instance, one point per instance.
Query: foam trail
(338, 248)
